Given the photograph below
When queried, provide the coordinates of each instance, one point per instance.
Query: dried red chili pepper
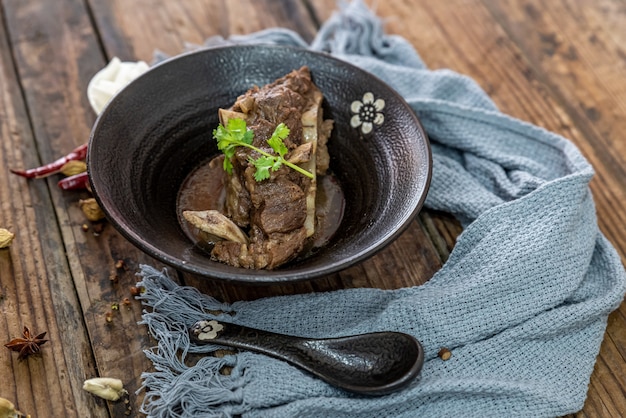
(79, 153)
(75, 182)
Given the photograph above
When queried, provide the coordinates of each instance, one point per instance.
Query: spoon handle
(373, 364)
(237, 336)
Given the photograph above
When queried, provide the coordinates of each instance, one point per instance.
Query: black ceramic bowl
(157, 130)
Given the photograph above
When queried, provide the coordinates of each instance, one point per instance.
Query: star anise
(27, 345)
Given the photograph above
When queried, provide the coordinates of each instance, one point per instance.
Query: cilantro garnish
(236, 134)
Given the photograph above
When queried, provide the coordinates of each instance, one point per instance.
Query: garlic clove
(7, 409)
(6, 237)
(107, 388)
(111, 79)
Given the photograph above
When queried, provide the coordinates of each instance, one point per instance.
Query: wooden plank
(134, 30)
(461, 35)
(36, 289)
(583, 66)
(56, 53)
(606, 384)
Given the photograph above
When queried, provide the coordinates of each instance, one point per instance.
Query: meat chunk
(279, 213)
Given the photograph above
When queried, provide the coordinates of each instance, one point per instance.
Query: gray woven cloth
(522, 302)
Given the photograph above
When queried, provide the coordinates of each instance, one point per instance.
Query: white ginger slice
(310, 119)
(246, 103)
(215, 223)
(301, 154)
(225, 115)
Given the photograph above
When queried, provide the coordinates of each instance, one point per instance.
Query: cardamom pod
(91, 209)
(6, 237)
(71, 168)
(107, 388)
(7, 409)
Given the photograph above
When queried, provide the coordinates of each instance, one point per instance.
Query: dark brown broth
(204, 190)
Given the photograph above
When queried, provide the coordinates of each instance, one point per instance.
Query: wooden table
(558, 64)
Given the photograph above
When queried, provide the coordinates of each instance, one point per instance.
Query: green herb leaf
(228, 139)
(237, 134)
(263, 165)
(228, 165)
(237, 127)
(276, 140)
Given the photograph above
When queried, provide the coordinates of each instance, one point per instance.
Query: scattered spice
(126, 301)
(85, 227)
(108, 317)
(129, 408)
(444, 354)
(114, 278)
(7, 409)
(98, 227)
(71, 168)
(107, 388)
(120, 264)
(115, 306)
(91, 209)
(136, 291)
(6, 237)
(79, 153)
(27, 345)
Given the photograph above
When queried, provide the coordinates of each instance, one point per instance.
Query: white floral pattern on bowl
(367, 113)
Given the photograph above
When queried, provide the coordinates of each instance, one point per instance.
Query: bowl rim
(252, 276)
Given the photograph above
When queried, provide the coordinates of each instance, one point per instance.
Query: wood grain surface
(557, 64)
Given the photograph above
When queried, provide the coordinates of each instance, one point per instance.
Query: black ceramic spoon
(372, 364)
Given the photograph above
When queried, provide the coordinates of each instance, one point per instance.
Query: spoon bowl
(372, 364)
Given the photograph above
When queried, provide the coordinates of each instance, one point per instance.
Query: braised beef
(274, 211)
